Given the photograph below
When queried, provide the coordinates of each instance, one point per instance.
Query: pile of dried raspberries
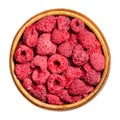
(59, 60)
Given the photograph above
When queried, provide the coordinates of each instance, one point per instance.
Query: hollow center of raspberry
(57, 63)
(76, 24)
(38, 68)
(23, 53)
(56, 82)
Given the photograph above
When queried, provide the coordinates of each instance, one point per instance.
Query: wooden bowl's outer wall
(98, 34)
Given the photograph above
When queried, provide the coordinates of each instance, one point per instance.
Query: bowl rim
(97, 32)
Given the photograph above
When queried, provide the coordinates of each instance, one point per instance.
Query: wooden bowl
(98, 34)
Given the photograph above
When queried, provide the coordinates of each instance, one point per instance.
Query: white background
(105, 13)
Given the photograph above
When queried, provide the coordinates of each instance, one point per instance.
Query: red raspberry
(86, 38)
(54, 99)
(78, 87)
(89, 89)
(73, 39)
(97, 61)
(57, 63)
(79, 56)
(65, 49)
(23, 54)
(77, 25)
(30, 36)
(64, 95)
(46, 24)
(60, 36)
(87, 67)
(55, 83)
(70, 74)
(27, 84)
(39, 61)
(22, 71)
(91, 77)
(76, 99)
(39, 92)
(45, 46)
(40, 77)
(63, 23)
(96, 47)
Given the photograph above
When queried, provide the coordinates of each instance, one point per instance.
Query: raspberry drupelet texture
(46, 24)
(22, 71)
(79, 56)
(54, 99)
(45, 46)
(39, 62)
(76, 98)
(70, 74)
(27, 84)
(39, 92)
(60, 36)
(86, 38)
(95, 48)
(30, 36)
(73, 39)
(57, 63)
(77, 25)
(97, 61)
(55, 83)
(78, 87)
(65, 49)
(64, 95)
(63, 23)
(40, 76)
(23, 54)
(91, 77)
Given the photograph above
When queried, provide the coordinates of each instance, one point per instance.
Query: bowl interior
(98, 34)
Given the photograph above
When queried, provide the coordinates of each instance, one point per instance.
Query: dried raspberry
(27, 84)
(63, 23)
(76, 99)
(86, 38)
(60, 36)
(55, 83)
(39, 61)
(96, 47)
(73, 39)
(39, 92)
(77, 25)
(23, 54)
(89, 89)
(46, 24)
(30, 36)
(54, 99)
(22, 71)
(87, 67)
(97, 61)
(78, 87)
(70, 74)
(79, 56)
(40, 77)
(57, 63)
(91, 77)
(63, 94)
(45, 46)
(65, 49)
